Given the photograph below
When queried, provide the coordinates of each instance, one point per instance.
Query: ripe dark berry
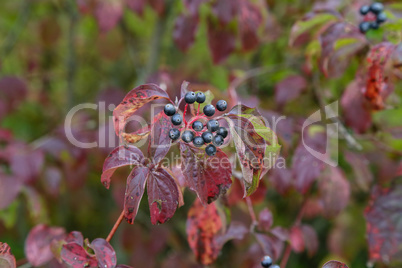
(376, 8)
(382, 17)
(221, 105)
(187, 136)
(210, 150)
(218, 140)
(275, 266)
(266, 262)
(174, 133)
(198, 141)
(364, 26)
(200, 97)
(198, 125)
(222, 131)
(190, 97)
(169, 109)
(207, 136)
(209, 110)
(364, 10)
(213, 125)
(374, 25)
(177, 119)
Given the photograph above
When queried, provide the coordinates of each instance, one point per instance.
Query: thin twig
(251, 210)
(116, 225)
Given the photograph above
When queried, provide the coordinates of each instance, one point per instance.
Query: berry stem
(184, 114)
(251, 211)
(116, 225)
(198, 110)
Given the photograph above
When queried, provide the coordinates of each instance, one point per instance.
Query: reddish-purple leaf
(296, 239)
(236, 230)
(305, 167)
(339, 43)
(9, 189)
(158, 5)
(75, 237)
(265, 220)
(361, 170)
(209, 177)
(76, 256)
(357, 115)
(335, 264)
(221, 40)
(7, 259)
(108, 13)
(271, 246)
(334, 191)
(281, 179)
(163, 195)
(123, 266)
(134, 190)
(203, 224)
(136, 5)
(160, 142)
(38, 242)
(104, 253)
(225, 10)
(280, 233)
(184, 31)
(384, 229)
(250, 18)
(310, 239)
(25, 163)
(13, 91)
(193, 6)
(289, 89)
(119, 157)
(133, 101)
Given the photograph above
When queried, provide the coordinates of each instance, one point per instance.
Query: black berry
(218, 140)
(364, 26)
(210, 150)
(222, 131)
(221, 105)
(266, 262)
(376, 8)
(382, 17)
(374, 25)
(207, 136)
(190, 97)
(213, 125)
(364, 10)
(174, 133)
(198, 141)
(177, 119)
(275, 266)
(200, 97)
(198, 125)
(169, 109)
(209, 110)
(187, 136)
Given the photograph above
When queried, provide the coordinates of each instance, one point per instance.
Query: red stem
(116, 225)
(184, 114)
(198, 110)
(251, 210)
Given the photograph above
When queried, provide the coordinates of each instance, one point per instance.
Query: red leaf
(134, 190)
(384, 230)
(356, 114)
(310, 239)
(376, 85)
(184, 31)
(160, 142)
(75, 237)
(104, 253)
(203, 224)
(38, 242)
(209, 177)
(119, 157)
(9, 189)
(265, 220)
(271, 246)
(305, 167)
(76, 256)
(7, 259)
(236, 230)
(334, 191)
(159, 6)
(133, 101)
(296, 239)
(361, 170)
(163, 195)
(335, 56)
(281, 179)
(335, 264)
(225, 10)
(289, 89)
(13, 91)
(250, 18)
(108, 13)
(221, 41)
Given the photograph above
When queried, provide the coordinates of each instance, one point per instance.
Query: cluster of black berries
(378, 17)
(199, 136)
(267, 262)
